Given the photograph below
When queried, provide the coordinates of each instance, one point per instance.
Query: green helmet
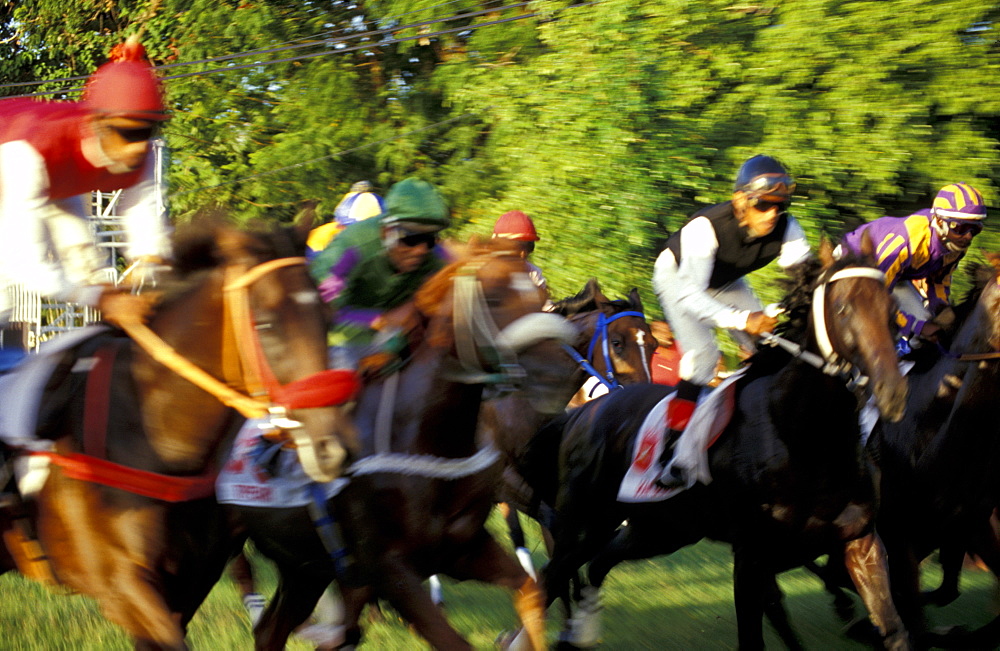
(416, 205)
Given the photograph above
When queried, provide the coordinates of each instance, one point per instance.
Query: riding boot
(679, 412)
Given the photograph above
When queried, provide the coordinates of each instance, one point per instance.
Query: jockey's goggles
(416, 239)
(135, 134)
(963, 227)
(776, 188)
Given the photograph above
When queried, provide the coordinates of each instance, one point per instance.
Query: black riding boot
(678, 414)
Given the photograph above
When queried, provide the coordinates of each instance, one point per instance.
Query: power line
(327, 42)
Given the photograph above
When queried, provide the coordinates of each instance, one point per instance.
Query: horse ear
(635, 300)
(305, 220)
(867, 246)
(825, 252)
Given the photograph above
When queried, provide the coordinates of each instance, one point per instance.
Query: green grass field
(680, 602)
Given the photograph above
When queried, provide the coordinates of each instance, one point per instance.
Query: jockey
(359, 203)
(517, 226)
(919, 253)
(52, 155)
(699, 278)
(378, 264)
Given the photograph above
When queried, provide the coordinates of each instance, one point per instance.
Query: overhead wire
(319, 43)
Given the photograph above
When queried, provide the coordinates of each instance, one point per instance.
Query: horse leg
(865, 559)
(750, 580)
(402, 587)
(774, 610)
(489, 562)
(141, 610)
(513, 518)
(294, 599)
(951, 556)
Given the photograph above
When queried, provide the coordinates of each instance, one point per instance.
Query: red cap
(126, 86)
(515, 225)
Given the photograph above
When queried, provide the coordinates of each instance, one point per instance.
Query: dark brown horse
(940, 465)
(614, 344)
(127, 514)
(787, 479)
(423, 482)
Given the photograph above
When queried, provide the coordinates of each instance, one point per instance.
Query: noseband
(243, 359)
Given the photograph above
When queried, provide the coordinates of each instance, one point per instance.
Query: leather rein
(244, 365)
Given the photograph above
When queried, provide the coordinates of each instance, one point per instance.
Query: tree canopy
(608, 121)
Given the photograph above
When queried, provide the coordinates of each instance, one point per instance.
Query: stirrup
(672, 477)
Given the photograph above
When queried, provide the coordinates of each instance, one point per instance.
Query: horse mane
(212, 240)
(801, 280)
(589, 299)
(432, 293)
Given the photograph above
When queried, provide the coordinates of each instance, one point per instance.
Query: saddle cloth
(21, 389)
(262, 473)
(710, 417)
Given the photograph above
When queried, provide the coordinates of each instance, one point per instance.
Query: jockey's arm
(47, 246)
(147, 233)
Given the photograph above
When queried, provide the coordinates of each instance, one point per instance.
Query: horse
(939, 465)
(787, 482)
(422, 483)
(614, 345)
(127, 514)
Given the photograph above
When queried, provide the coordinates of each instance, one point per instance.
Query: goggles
(963, 227)
(416, 239)
(135, 134)
(776, 188)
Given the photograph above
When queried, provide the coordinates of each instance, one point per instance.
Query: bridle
(601, 336)
(245, 365)
(828, 361)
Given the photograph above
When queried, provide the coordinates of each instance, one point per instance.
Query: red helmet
(515, 225)
(126, 86)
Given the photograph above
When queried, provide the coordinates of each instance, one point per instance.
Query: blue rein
(601, 333)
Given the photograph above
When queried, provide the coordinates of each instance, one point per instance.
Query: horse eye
(618, 345)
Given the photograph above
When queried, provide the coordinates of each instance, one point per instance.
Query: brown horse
(786, 484)
(127, 514)
(423, 483)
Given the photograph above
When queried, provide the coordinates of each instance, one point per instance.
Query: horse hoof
(324, 636)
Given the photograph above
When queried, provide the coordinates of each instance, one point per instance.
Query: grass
(684, 601)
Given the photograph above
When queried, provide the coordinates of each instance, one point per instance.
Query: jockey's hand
(120, 308)
(758, 323)
(929, 331)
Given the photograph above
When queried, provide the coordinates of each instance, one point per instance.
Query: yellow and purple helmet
(959, 201)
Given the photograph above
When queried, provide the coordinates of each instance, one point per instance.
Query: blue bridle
(601, 334)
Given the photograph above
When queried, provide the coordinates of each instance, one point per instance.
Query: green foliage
(607, 122)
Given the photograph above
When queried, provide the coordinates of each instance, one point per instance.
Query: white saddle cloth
(691, 452)
(244, 482)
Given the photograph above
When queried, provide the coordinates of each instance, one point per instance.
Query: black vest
(737, 255)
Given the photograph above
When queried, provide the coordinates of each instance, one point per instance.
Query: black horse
(788, 479)
(939, 465)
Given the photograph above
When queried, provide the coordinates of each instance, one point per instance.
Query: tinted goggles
(773, 187)
(963, 228)
(136, 134)
(416, 239)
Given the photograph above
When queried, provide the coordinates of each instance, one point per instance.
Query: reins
(828, 361)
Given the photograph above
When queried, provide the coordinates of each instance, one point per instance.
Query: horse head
(248, 313)
(613, 334)
(852, 313)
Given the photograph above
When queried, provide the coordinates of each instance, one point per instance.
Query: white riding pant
(700, 351)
